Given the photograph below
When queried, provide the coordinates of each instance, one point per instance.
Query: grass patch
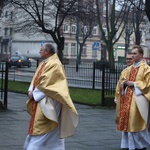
(20, 87)
(85, 96)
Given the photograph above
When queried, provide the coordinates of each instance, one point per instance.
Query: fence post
(37, 63)
(94, 64)
(103, 85)
(2, 80)
(6, 85)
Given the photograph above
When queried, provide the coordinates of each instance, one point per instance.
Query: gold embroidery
(125, 103)
(34, 103)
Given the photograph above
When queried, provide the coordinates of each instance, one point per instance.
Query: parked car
(19, 61)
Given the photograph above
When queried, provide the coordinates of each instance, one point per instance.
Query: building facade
(11, 42)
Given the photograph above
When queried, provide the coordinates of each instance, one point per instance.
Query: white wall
(28, 45)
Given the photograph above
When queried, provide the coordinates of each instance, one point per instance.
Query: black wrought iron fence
(86, 76)
(90, 76)
(4, 84)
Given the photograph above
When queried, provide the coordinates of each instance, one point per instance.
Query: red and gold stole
(34, 103)
(125, 102)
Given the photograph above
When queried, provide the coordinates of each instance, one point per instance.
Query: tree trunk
(103, 52)
(137, 30)
(80, 53)
(111, 55)
(60, 54)
(138, 37)
(147, 8)
(60, 48)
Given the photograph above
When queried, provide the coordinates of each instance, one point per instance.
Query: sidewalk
(96, 130)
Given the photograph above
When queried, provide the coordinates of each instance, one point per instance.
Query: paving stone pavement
(96, 130)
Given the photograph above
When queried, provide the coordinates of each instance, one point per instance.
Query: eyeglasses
(128, 58)
(41, 50)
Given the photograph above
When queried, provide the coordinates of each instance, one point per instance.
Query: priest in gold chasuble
(53, 114)
(129, 62)
(133, 104)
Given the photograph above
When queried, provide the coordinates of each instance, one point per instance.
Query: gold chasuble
(51, 80)
(121, 79)
(132, 110)
(34, 103)
(118, 91)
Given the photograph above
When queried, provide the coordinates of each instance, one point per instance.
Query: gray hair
(50, 48)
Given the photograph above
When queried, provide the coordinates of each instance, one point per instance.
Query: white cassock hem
(134, 140)
(48, 141)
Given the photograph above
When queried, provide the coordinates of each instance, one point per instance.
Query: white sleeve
(30, 88)
(136, 90)
(38, 95)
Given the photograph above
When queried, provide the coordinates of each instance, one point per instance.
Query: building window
(94, 30)
(10, 31)
(66, 49)
(104, 9)
(5, 49)
(65, 28)
(105, 31)
(85, 30)
(117, 35)
(84, 50)
(11, 16)
(94, 54)
(6, 31)
(95, 8)
(6, 14)
(73, 29)
(73, 49)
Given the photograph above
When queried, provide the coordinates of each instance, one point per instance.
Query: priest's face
(136, 55)
(129, 59)
(43, 52)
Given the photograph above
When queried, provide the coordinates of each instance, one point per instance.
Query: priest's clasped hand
(129, 83)
(30, 95)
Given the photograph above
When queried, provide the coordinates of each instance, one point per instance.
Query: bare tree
(86, 20)
(145, 4)
(147, 8)
(114, 22)
(43, 16)
(138, 18)
(2, 2)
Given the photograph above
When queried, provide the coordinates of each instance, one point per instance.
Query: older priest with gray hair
(53, 114)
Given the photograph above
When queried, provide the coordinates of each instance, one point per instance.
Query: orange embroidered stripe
(125, 103)
(34, 104)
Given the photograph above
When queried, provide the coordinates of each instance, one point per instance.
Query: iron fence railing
(90, 76)
(86, 76)
(4, 83)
